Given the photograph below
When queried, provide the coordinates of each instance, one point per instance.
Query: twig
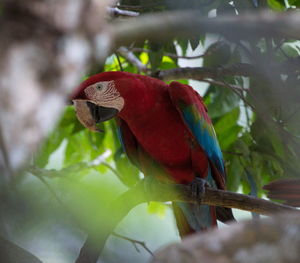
(135, 243)
(207, 52)
(200, 73)
(219, 83)
(138, 7)
(119, 62)
(112, 169)
(240, 93)
(288, 118)
(126, 53)
(172, 55)
(170, 192)
(52, 192)
(116, 12)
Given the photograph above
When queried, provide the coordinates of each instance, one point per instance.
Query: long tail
(192, 218)
(287, 190)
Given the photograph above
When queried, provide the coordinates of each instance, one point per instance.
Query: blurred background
(57, 177)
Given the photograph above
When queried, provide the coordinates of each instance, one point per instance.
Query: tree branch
(126, 53)
(200, 73)
(170, 192)
(116, 12)
(11, 253)
(167, 25)
(273, 239)
(228, 86)
(134, 243)
(171, 55)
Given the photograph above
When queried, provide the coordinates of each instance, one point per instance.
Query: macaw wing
(128, 142)
(194, 114)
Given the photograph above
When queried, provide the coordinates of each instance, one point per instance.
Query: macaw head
(104, 96)
(96, 100)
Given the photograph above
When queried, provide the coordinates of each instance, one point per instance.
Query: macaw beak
(90, 114)
(100, 113)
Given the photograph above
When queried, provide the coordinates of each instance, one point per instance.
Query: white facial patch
(84, 115)
(105, 94)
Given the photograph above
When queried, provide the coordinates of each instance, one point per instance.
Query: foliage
(257, 125)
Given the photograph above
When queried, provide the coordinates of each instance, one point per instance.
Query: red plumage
(157, 138)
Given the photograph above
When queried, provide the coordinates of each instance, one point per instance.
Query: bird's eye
(99, 87)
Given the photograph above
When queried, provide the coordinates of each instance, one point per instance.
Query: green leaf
(67, 126)
(128, 173)
(183, 43)
(276, 5)
(75, 171)
(217, 54)
(267, 138)
(227, 128)
(169, 47)
(221, 101)
(155, 55)
(194, 42)
(291, 50)
(157, 209)
(234, 174)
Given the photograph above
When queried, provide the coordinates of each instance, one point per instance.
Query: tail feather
(182, 224)
(287, 190)
(224, 214)
(192, 218)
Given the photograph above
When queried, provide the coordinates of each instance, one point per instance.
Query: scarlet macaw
(165, 131)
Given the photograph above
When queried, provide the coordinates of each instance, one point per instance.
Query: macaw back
(167, 148)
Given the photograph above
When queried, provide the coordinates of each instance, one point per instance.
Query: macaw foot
(198, 186)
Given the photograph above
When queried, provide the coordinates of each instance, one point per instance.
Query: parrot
(287, 190)
(165, 131)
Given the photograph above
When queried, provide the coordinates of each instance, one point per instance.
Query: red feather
(155, 136)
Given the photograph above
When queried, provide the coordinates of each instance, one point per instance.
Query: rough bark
(45, 49)
(275, 240)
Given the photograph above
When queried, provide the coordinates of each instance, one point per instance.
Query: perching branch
(170, 192)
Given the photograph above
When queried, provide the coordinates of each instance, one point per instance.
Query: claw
(198, 186)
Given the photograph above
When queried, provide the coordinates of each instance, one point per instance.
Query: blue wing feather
(204, 134)
(193, 112)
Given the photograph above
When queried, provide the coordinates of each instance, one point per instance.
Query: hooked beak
(90, 114)
(101, 114)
